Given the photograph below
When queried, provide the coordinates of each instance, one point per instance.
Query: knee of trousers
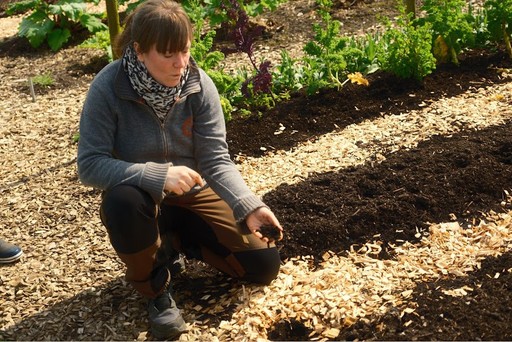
(260, 265)
(130, 216)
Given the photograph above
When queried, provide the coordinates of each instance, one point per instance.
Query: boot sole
(11, 258)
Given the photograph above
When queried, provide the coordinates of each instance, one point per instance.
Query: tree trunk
(114, 27)
(410, 7)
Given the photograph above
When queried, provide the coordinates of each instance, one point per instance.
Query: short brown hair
(163, 23)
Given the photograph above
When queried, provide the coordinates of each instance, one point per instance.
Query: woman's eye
(171, 55)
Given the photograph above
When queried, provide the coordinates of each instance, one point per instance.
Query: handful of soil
(271, 232)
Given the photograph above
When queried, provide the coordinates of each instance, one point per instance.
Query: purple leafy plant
(244, 36)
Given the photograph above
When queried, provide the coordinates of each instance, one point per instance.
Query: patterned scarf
(156, 95)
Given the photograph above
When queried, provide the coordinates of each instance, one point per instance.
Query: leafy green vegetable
(499, 19)
(406, 50)
(448, 21)
(54, 23)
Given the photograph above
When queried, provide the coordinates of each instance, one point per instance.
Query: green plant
(19, 7)
(227, 85)
(100, 40)
(329, 58)
(287, 76)
(480, 27)
(406, 49)
(216, 11)
(229, 90)
(499, 21)
(54, 22)
(324, 62)
(451, 27)
(44, 80)
(361, 53)
(75, 138)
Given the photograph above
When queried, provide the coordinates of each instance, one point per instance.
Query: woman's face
(165, 68)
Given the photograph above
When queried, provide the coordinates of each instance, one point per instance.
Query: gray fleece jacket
(122, 141)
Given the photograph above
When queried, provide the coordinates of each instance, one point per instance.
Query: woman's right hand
(180, 179)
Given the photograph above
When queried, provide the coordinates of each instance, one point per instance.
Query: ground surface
(369, 183)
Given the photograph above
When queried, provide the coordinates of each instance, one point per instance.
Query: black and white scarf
(157, 96)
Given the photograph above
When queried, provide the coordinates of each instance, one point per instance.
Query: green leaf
(92, 24)
(57, 38)
(71, 10)
(313, 49)
(37, 18)
(35, 28)
(21, 6)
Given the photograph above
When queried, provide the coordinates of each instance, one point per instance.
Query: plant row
(412, 46)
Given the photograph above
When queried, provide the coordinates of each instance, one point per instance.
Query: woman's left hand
(263, 217)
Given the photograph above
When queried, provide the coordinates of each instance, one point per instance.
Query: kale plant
(499, 21)
(451, 27)
(258, 83)
(406, 50)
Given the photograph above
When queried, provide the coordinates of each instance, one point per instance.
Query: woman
(153, 137)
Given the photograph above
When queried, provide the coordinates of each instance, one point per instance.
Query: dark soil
(484, 314)
(443, 179)
(307, 117)
(462, 175)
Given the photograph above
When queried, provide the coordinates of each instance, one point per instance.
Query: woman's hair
(163, 23)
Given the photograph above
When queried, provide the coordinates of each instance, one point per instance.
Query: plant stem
(506, 38)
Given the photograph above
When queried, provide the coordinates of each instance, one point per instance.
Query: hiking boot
(9, 252)
(174, 259)
(165, 318)
(176, 265)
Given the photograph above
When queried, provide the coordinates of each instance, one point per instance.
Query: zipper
(161, 124)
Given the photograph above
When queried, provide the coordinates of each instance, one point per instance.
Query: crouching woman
(153, 138)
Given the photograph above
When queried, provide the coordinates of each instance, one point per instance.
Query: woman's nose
(180, 61)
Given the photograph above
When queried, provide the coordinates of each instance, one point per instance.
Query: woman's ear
(136, 47)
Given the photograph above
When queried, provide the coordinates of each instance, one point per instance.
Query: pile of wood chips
(346, 289)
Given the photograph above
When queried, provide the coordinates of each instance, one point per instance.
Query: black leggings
(200, 225)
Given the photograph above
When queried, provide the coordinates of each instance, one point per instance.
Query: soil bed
(307, 117)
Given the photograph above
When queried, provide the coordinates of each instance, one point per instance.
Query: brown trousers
(200, 225)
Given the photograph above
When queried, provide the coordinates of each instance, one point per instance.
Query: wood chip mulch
(69, 283)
